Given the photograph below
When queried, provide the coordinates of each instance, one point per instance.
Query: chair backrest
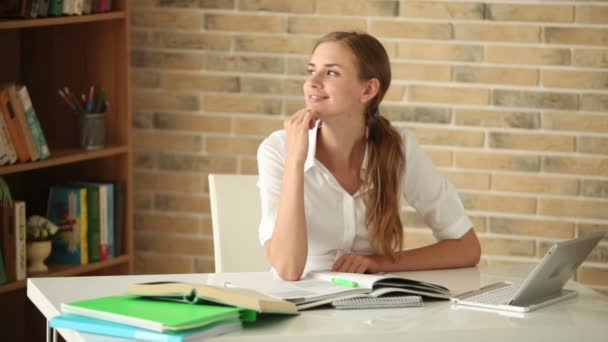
(235, 215)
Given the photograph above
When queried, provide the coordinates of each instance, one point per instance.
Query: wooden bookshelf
(47, 54)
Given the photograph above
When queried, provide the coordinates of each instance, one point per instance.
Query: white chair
(235, 215)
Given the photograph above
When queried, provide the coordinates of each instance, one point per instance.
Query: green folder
(150, 314)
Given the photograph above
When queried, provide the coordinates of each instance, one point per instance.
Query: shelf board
(64, 156)
(66, 271)
(51, 21)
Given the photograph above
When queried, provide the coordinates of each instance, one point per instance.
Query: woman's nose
(315, 80)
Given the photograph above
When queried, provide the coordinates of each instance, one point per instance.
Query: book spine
(4, 157)
(55, 7)
(8, 241)
(110, 208)
(34, 124)
(120, 203)
(20, 237)
(43, 8)
(25, 127)
(103, 221)
(84, 250)
(94, 222)
(3, 279)
(6, 136)
(14, 129)
(78, 7)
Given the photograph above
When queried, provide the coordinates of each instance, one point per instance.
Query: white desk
(582, 319)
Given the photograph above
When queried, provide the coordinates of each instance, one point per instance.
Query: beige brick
(217, 4)
(582, 122)
(165, 101)
(143, 201)
(535, 99)
(292, 106)
(143, 120)
(192, 122)
(494, 75)
(167, 142)
(405, 29)
(532, 227)
(248, 166)
(297, 66)
(233, 145)
(413, 240)
(182, 203)
(573, 208)
(390, 47)
(257, 126)
(145, 79)
(169, 182)
(594, 188)
(575, 79)
(440, 51)
(143, 3)
(535, 184)
(453, 95)
(272, 86)
(584, 229)
(178, 3)
(442, 10)
(273, 65)
(498, 203)
(184, 81)
(166, 60)
(185, 20)
(590, 58)
(524, 12)
(208, 164)
(590, 14)
(241, 104)
(440, 157)
(152, 263)
(358, 7)
(396, 92)
(497, 161)
(204, 265)
(576, 36)
(576, 165)
(469, 180)
(495, 118)
(497, 32)
(595, 102)
(416, 114)
(191, 40)
(290, 44)
(500, 246)
(245, 23)
(448, 137)
(144, 160)
(312, 25)
(532, 141)
(597, 145)
(164, 243)
(161, 223)
(592, 276)
(420, 72)
(140, 39)
(290, 6)
(527, 55)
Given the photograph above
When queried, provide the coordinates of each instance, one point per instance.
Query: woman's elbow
(472, 248)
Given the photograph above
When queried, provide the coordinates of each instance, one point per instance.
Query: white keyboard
(502, 295)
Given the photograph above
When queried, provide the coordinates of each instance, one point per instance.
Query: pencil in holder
(91, 130)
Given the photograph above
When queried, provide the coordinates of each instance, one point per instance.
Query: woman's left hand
(355, 263)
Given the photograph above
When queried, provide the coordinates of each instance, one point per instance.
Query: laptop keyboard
(498, 296)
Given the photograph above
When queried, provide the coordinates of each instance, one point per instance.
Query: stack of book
(13, 262)
(169, 312)
(43, 8)
(21, 137)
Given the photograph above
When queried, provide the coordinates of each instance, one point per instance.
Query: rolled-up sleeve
(428, 191)
(270, 170)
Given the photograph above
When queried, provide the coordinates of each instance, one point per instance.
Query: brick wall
(510, 99)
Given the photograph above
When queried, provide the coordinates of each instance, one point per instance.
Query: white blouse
(335, 220)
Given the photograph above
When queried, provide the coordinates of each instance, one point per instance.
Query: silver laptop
(543, 286)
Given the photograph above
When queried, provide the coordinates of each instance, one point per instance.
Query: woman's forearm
(288, 249)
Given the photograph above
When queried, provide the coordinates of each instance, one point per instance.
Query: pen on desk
(344, 282)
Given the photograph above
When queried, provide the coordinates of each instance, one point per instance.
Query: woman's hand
(355, 263)
(297, 126)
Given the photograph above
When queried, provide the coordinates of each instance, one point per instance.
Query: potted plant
(40, 232)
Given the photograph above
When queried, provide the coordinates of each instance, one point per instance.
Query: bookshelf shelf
(25, 23)
(67, 271)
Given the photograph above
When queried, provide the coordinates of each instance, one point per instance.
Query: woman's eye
(310, 71)
(332, 73)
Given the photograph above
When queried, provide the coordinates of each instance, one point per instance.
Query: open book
(206, 294)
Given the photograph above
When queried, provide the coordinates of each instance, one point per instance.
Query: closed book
(6, 140)
(4, 159)
(17, 106)
(102, 327)
(67, 208)
(19, 8)
(55, 8)
(14, 129)
(34, 124)
(149, 314)
(120, 219)
(20, 238)
(43, 8)
(108, 239)
(3, 279)
(77, 7)
(94, 212)
(7, 222)
(87, 6)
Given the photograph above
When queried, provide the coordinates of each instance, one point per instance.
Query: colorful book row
(43, 8)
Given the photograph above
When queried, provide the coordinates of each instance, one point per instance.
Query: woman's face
(333, 86)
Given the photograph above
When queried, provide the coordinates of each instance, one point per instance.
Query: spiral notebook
(378, 302)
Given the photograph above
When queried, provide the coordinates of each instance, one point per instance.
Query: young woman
(331, 182)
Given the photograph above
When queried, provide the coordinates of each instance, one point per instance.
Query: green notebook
(151, 314)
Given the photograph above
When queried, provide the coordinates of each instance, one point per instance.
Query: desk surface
(584, 318)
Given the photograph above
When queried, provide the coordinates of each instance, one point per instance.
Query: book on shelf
(155, 315)
(43, 8)
(12, 221)
(33, 123)
(107, 328)
(55, 8)
(67, 208)
(17, 137)
(5, 139)
(100, 203)
(199, 293)
(19, 8)
(3, 278)
(18, 108)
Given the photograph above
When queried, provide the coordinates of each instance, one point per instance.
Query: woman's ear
(370, 91)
